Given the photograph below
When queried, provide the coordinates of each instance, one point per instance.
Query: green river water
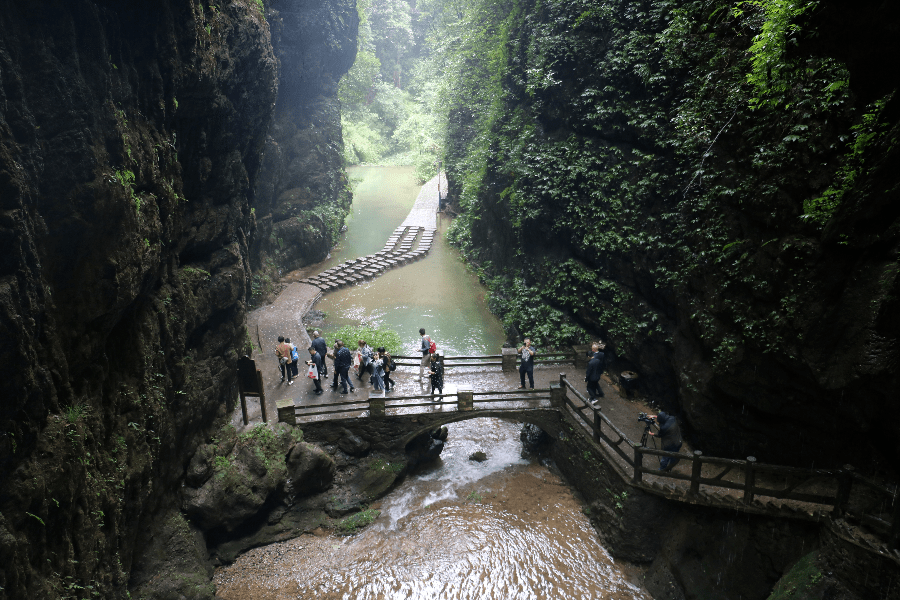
(436, 293)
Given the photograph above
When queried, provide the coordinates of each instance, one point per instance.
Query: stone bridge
(393, 433)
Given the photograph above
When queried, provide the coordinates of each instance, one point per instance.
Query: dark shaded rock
(172, 561)
(310, 469)
(423, 449)
(534, 439)
(352, 444)
(478, 456)
(200, 468)
(441, 433)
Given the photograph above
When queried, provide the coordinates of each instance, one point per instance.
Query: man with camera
(669, 438)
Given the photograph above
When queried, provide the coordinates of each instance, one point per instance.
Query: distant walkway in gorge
(284, 316)
(418, 229)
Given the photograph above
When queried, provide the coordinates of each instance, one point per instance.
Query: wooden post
(749, 479)
(509, 359)
(464, 398)
(845, 484)
(638, 463)
(244, 408)
(262, 396)
(696, 470)
(894, 539)
(557, 395)
(376, 405)
(598, 422)
(286, 412)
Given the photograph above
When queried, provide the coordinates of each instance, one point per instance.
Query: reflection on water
(436, 293)
(505, 528)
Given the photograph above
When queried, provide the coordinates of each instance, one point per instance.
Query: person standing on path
(595, 369)
(333, 357)
(343, 358)
(386, 357)
(321, 346)
(426, 347)
(527, 363)
(295, 358)
(283, 352)
(316, 359)
(436, 373)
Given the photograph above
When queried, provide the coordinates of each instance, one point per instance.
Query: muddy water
(502, 529)
(436, 293)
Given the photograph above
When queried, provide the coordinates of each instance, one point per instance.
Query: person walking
(387, 361)
(436, 373)
(365, 359)
(283, 352)
(426, 348)
(343, 358)
(595, 369)
(378, 372)
(333, 357)
(315, 359)
(526, 366)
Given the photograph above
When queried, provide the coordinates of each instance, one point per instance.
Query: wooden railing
(377, 404)
(840, 491)
(506, 359)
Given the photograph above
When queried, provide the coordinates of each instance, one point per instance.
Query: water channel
(505, 528)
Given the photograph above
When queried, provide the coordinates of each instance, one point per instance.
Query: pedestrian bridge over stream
(862, 511)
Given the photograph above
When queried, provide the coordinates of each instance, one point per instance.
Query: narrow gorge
(722, 212)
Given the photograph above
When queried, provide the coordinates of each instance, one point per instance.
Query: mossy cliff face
(608, 163)
(130, 139)
(303, 194)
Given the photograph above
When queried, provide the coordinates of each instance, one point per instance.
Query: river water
(505, 528)
(436, 293)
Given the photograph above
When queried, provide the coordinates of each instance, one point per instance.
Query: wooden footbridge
(840, 496)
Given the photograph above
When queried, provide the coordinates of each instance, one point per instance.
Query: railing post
(262, 395)
(376, 405)
(894, 540)
(581, 357)
(845, 484)
(464, 398)
(286, 412)
(598, 423)
(508, 356)
(749, 479)
(557, 395)
(638, 463)
(696, 470)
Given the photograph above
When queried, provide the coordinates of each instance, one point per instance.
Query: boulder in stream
(352, 444)
(309, 469)
(478, 456)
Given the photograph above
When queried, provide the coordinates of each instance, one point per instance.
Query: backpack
(392, 366)
(294, 356)
(432, 348)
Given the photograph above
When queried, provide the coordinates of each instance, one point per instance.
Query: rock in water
(533, 438)
(478, 456)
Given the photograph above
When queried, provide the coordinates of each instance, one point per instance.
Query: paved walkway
(284, 316)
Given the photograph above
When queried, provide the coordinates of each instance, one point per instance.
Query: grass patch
(359, 520)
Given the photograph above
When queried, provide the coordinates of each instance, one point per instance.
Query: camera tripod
(651, 438)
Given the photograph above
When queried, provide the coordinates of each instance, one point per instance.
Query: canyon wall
(734, 239)
(132, 136)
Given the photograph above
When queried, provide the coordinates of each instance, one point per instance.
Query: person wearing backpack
(428, 348)
(388, 364)
(527, 364)
(295, 357)
(283, 352)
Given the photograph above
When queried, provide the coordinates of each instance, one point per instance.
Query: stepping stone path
(416, 231)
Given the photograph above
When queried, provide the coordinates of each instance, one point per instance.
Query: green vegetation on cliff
(685, 178)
